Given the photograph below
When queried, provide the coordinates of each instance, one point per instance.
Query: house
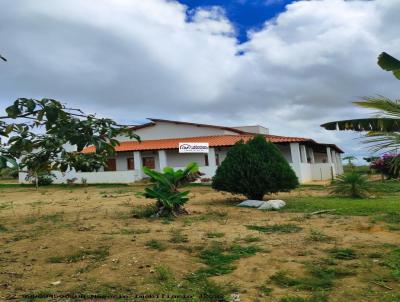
(163, 144)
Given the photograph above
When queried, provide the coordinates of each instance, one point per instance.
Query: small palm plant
(165, 187)
(351, 184)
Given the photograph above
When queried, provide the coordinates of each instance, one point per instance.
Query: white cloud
(131, 59)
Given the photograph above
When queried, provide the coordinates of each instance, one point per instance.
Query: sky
(289, 66)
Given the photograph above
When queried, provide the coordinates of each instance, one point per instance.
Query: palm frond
(386, 106)
(365, 124)
(389, 63)
(379, 141)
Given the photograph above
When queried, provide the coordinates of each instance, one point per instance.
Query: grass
(214, 235)
(133, 231)
(3, 228)
(317, 297)
(220, 258)
(343, 205)
(343, 253)
(392, 261)
(178, 237)
(319, 236)
(318, 277)
(96, 255)
(277, 228)
(156, 245)
(146, 211)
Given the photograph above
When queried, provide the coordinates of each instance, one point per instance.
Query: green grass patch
(392, 261)
(99, 254)
(3, 228)
(178, 237)
(343, 205)
(214, 235)
(276, 228)
(343, 253)
(220, 258)
(133, 231)
(156, 245)
(146, 211)
(318, 277)
(319, 236)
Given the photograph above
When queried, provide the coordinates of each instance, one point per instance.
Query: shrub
(352, 184)
(165, 188)
(387, 165)
(8, 173)
(254, 169)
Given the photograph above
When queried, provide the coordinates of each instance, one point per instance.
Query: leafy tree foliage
(354, 185)
(254, 169)
(383, 129)
(165, 188)
(34, 135)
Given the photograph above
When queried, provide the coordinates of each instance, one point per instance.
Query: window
(206, 159)
(111, 165)
(217, 159)
(149, 162)
(131, 163)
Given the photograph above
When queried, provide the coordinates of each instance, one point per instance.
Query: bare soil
(39, 226)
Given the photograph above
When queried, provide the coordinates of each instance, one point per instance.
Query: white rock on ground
(272, 205)
(251, 203)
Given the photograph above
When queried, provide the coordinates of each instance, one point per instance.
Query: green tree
(254, 169)
(165, 188)
(383, 129)
(34, 135)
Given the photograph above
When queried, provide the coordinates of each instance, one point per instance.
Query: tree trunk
(36, 181)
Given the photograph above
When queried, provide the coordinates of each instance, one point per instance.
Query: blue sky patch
(244, 14)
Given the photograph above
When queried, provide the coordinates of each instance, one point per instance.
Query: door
(111, 165)
(149, 162)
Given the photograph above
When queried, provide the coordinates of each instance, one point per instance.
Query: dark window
(111, 165)
(206, 159)
(149, 162)
(217, 159)
(131, 163)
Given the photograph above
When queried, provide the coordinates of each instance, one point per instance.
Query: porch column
(296, 159)
(162, 158)
(330, 161)
(312, 158)
(211, 158)
(137, 160)
(303, 153)
(339, 163)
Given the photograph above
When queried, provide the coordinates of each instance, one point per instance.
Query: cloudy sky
(288, 65)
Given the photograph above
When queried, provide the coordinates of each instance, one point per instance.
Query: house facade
(159, 147)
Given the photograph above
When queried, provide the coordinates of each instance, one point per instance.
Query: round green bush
(254, 169)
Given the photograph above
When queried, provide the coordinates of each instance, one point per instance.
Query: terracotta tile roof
(213, 141)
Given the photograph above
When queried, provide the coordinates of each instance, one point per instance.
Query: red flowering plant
(386, 165)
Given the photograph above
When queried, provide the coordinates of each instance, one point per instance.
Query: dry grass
(88, 239)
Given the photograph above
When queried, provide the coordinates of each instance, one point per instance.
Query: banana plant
(165, 188)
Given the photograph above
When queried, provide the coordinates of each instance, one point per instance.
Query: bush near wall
(254, 168)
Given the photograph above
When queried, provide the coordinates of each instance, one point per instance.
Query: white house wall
(163, 130)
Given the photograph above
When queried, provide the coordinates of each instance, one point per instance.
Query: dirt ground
(40, 229)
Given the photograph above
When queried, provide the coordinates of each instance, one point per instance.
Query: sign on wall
(193, 147)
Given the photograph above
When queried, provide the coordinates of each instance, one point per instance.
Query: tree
(254, 169)
(350, 159)
(165, 188)
(34, 135)
(384, 127)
